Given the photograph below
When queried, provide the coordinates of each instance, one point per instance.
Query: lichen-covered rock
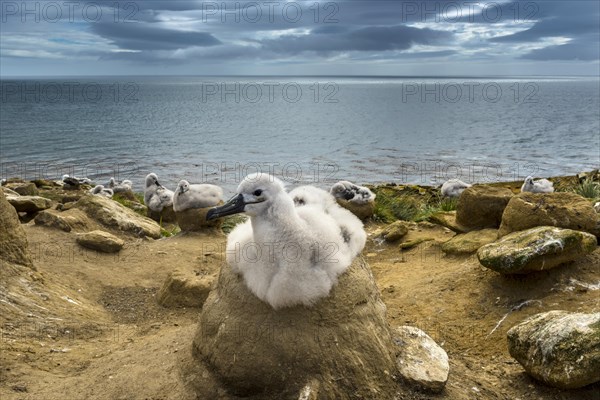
(114, 215)
(448, 220)
(166, 215)
(395, 231)
(362, 211)
(481, 206)
(421, 362)
(185, 289)
(71, 219)
(559, 348)
(535, 249)
(13, 241)
(101, 241)
(26, 189)
(194, 220)
(469, 242)
(343, 341)
(9, 192)
(560, 209)
(29, 204)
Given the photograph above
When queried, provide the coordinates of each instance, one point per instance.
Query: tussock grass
(588, 188)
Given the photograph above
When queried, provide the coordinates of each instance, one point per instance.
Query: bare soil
(120, 344)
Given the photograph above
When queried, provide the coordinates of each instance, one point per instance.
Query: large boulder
(481, 206)
(559, 348)
(194, 220)
(184, 288)
(561, 209)
(116, 216)
(343, 342)
(100, 241)
(72, 219)
(13, 241)
(469, 242)
(535, 249)
(421, 362)
(29, 204)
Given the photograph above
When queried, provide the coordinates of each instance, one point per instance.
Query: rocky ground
(83, 324)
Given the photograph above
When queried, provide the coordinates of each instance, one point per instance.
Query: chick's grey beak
(234, 205)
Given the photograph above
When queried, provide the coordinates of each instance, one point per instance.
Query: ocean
(305, 130)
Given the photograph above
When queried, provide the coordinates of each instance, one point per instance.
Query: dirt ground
(123, 345)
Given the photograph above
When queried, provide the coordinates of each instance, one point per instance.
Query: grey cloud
(373, 38)
(144, 36)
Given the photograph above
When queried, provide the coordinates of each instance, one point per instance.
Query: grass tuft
(588, 188)
(231, 221)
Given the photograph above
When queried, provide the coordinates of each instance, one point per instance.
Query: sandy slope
(131, 348)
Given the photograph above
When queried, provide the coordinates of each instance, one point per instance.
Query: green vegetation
(588, 188)
(170, 230)
(132, 204)
(409, 203)
(231, 221)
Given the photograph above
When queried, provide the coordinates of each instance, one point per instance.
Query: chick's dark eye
(257, 192)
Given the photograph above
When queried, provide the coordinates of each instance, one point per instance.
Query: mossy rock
(469, 242)
(563, 210)
(535, 249)
(559, 348)
(116, 216)
(395, 231)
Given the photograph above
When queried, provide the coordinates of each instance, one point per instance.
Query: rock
(559, 348)
(71, 198)
(469, 242)
(394, 231)
(44, 183)
(72, 219)
(535, 249)
(166, 215)
(421, 362)
(184, 289)
(343, 341)
(448, 220)
(114, 215)
(412, 243)
(482, 206)
(13, 241)
(194, 220)
(9, 192)
(362, 211)
(101, 241)
(560, 209)
(30, 204)
(138, 208)
(597, 207)
(26, 189)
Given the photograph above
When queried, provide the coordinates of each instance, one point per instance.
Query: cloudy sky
(343, 37)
